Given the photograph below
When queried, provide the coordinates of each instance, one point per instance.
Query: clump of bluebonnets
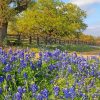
(54, 75)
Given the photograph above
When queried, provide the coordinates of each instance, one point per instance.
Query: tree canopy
(50, 17)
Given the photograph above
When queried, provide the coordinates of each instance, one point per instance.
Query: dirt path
(91, 53)
(96, 52)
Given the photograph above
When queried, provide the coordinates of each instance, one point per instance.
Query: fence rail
(37, 39)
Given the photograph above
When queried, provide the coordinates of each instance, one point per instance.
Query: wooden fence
(39, 40)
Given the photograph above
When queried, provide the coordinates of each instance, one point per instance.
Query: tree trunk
(3, 32)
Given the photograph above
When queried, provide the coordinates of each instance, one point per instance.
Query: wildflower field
(54, 75)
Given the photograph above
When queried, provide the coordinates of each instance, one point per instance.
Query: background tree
(74, 17)
(50, 18)
(8, 9)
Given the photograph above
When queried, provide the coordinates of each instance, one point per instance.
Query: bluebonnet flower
(57, 77)
(95, 95)
(80, 93)
(66, 93)
(4, 60)
(33, 88)
(70, 60)
(92, 83)
(51, 81)
(58, 64)
(49, 54)
(40, 54)
(55, 57)
(72, 92)
(86, 65)
(32, 65)
(63, 65)
(39, 63)
(45, 57)
(13, 58)
(39, 97)
(10, 51)
(64, 58)
(83, 77)
(20, 89)
(74, 55)
(92, 73)
(44, 93)
(34, 95)
(24, 90)
(80, 67)
(19, 70)
(21, 54)
(1, 51)
(1, 79)
(86, 72)
(92, 67)
(93, 57)
(63, 54)
(25, 75)
(60, 58)
(7, 68)
(69, 93)
(80, 83)
(18, 96)
(51, 67)
(23, 64)
(27, 56)
(8, 77)
(56, 90)
(98, 74)
(69, 69)
(84, 97)
(1, 90)
(56, 52)
(32, 54)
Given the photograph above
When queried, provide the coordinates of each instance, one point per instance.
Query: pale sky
(92, 7)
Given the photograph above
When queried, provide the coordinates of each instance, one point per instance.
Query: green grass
(68, 47)
(77, 48)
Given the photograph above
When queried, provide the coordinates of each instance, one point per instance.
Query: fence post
(37, 40)
(46, 40)
(55, 41)
(59, 41)
(19, 38)
(30, 40)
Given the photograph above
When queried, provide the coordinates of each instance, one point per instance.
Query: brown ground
(96, 52)
(91, 53)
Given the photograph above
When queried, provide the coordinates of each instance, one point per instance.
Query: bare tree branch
(21, 5)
